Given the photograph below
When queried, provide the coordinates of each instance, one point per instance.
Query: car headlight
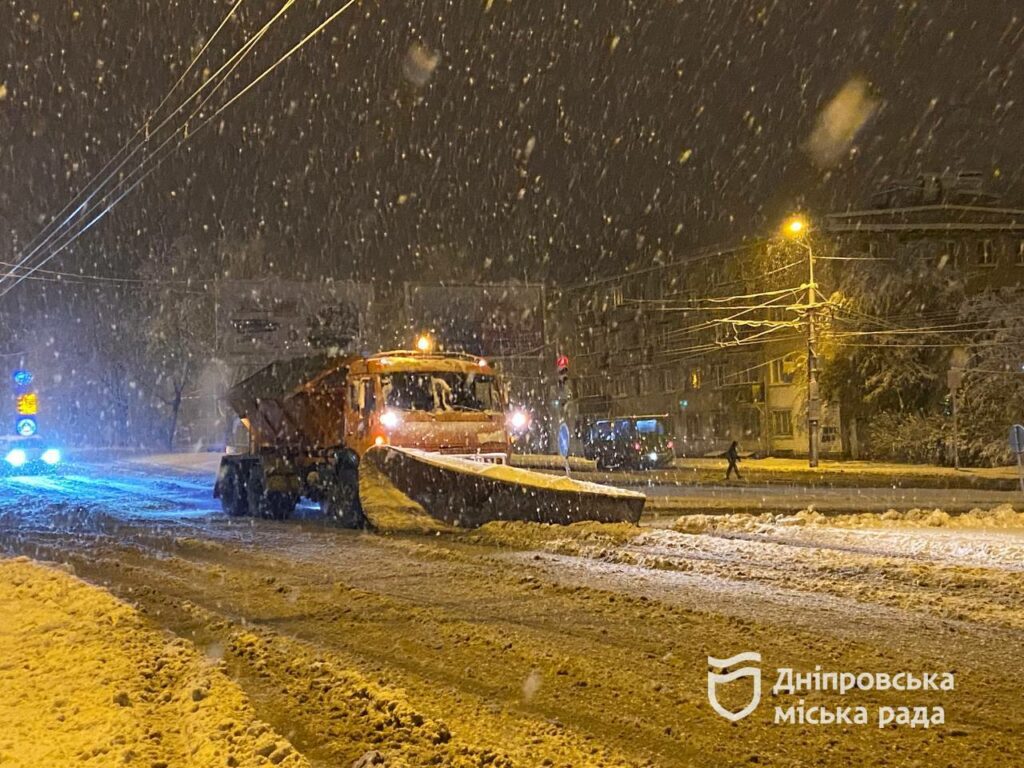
(51, 456)
(390, 419)
(16, 457)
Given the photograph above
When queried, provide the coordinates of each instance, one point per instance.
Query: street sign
(27, 404)
(25, 426)
(563, 441)
(1017, 438)
(563, 445)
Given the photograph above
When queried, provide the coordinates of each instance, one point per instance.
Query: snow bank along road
(584, 646)
(87, 681)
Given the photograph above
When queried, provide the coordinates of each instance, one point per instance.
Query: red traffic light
(562, 363)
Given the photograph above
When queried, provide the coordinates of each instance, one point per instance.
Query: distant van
(630, 442)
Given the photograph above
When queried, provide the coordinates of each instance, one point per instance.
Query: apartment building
(718, 340)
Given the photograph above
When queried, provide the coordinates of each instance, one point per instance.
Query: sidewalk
(777, 471)
(858, 473)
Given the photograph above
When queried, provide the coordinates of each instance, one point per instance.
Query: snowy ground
(526, 645)
(85, 681)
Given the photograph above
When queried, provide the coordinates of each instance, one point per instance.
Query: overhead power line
(64, 217)
(187, 136)
(219, 78)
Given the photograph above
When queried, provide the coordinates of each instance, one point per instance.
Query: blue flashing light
(22, 378)
(26, 426)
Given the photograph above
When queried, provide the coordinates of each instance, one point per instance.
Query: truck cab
(443, 403)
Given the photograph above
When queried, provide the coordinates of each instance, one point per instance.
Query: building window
(695, 379)
(1020, 253)
(668, 380)
(873, 249)
(829, 434)
(617, 299)
(718, 374)
(781, 371)
(752, 424)
(986, 254)
(642, 382)
(946, 254)
(782, 423)
(748, 374)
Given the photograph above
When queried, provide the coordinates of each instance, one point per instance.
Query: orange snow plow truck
(428, 429)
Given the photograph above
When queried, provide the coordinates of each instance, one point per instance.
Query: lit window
(1020, 253)
(695, 379)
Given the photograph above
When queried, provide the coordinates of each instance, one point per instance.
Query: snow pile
(86, 681)
(565, 539)
(388, 509)
(1001, 517)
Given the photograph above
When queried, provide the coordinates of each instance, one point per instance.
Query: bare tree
(180, 324)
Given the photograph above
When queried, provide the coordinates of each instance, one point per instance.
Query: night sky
(489, 139)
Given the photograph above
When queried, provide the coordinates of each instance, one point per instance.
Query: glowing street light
(424, 343)
(794, 227)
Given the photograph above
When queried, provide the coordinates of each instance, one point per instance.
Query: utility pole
(954, 378)
(813, 401)
(796, 229)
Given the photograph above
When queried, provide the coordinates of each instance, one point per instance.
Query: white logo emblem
(715, 678)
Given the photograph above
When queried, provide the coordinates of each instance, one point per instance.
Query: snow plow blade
(465, 493)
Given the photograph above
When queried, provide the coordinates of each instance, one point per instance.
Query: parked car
(630, 442)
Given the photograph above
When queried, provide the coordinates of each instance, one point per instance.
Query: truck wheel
(233, 499)
(269, 505)
(341, 504)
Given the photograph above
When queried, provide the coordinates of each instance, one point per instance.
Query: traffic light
(562, 365)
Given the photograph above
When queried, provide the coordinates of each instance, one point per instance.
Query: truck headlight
(390, 419)
(51, 456)
(519, 420)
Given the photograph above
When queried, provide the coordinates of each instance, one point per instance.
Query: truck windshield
(440, 391)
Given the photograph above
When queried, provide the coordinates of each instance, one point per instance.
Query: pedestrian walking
(733, 455)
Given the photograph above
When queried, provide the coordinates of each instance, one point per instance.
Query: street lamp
(424, 343)
(796, 228)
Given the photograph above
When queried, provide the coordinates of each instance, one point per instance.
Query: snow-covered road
(522, 645)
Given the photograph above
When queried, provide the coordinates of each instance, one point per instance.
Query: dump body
(294, 405)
